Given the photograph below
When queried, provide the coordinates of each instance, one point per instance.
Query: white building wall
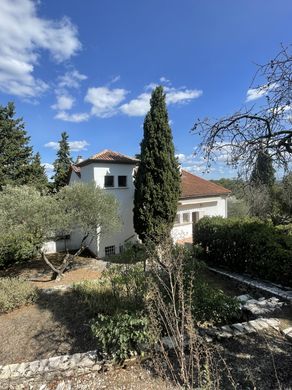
(125, 195)
(211, 206)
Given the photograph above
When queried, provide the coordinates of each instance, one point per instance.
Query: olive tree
(28, 219)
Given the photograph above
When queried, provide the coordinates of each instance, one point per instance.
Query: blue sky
(88, 67)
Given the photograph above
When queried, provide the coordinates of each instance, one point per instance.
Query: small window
(177, 219)
(110, 250)
(122, 181)
(186, 217)
(109, 181)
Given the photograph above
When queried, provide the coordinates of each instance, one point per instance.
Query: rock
(244, 298)
(238, 327)
(287, 331)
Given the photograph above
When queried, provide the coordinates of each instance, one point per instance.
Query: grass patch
(15, 292)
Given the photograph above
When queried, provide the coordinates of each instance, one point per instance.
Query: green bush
(246, 245)
(17, 247)
(132, 254)
(15, 292)
(121, 335)
(213, 305)
(121, 287)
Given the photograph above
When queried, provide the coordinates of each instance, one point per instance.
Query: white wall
(211, 206)
(124, 195)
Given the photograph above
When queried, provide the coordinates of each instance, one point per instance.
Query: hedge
(246, 245)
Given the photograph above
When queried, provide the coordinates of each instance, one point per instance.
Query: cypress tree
(263, 172)
(157, 181)
(15, 152)
(38, 175)
(62, 162)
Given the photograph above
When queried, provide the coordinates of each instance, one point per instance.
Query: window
(186, 217)
(109, 181)
(122, 181)
(110, 250)
(177, 219)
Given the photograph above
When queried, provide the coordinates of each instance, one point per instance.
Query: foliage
(244, 134)
(62, 163)
(120, 288)
(131, 254)
(172, 320)
(28, 218)
(38, 175)
(25, 220)
(157, 182)
(213, 305)
(237, 207)
(121, 335)
(285, 196)
(234, 185)
(263, 173)
(15, 292)
(88, 207)
(246, 245)
(16, 154)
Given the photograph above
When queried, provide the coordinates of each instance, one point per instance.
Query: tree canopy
(28, 218)
(157, 182)
(62, 163)
(16, 154)
(251, 129)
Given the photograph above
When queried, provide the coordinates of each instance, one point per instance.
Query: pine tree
(263, 172)
(62, 163)
(15, 152)
(157, 182)
(38, 175)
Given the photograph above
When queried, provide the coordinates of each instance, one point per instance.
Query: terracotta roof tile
(193, 186)
(109, 156)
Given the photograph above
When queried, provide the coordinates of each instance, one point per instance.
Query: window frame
(109, 186)
(109, 250)
(126, 181)
(189, 218)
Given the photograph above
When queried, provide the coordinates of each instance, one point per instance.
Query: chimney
(79, 159)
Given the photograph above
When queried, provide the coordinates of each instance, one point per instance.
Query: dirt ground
(40, 275)
(56, 325)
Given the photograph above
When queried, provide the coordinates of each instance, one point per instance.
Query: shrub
(15, 292)
(246, 245)
(121, 287)
(132, 253)
(213, 305)
(17, 247)
(121, 335)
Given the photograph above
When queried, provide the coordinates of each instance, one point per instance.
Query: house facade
(114, 172)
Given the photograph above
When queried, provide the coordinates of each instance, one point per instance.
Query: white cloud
(23, 34)
(71, 79)
(138, 106)
(52, 145)
(164, 80)
(115, 79)
(105, 101)
(257, 93)
(48, 166)
(64, 102)
(174, 96)
(75, 146)
(75, 117)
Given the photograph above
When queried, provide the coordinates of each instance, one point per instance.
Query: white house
(114, 172)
